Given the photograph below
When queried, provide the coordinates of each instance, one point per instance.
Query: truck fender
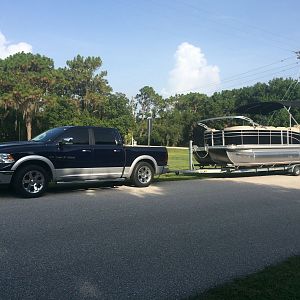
(128, 170)
(34, 157)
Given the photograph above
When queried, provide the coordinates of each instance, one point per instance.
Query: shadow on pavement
(8, 192)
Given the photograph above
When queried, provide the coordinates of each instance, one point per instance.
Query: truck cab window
(75, 136)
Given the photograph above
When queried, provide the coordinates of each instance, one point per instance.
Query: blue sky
(157, 43)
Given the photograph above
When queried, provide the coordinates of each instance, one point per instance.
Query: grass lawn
(280, 282)
(178, 160)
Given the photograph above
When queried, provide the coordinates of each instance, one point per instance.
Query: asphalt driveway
(167, 241)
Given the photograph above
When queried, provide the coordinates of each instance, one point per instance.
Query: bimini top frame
(263, 108)
(201, 122)
(267, 107)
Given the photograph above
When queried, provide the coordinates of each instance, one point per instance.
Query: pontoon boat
(252, 144)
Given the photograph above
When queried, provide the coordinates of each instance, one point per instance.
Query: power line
(286, 93)
(240, 83)
(255, 79)
(250, 75)
(259, 68)
(224, 82)
(238, 29)
(238, 76)
(212, 17)
(263, 30)
(296, 83)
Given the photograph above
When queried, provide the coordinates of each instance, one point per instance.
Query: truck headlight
(6, 158)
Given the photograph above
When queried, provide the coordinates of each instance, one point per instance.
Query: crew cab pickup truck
(77, 153)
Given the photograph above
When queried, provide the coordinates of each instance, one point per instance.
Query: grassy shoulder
(280, 282)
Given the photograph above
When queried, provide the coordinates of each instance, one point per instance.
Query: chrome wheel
(33, 181)
(296, 171)
(144, 175)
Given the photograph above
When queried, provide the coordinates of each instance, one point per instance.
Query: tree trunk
(167, 140)
(28, 127)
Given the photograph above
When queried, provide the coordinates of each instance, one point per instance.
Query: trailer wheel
(296, 171)
(30, 181)
(142, 175)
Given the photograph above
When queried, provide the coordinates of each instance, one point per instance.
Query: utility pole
(149, 129)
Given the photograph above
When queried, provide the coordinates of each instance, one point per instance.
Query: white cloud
(191, 72)
(7, 48)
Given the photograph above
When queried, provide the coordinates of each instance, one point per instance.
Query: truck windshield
(49, 135)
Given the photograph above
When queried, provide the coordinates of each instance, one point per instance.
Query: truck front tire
(30, 181)
(142, 175)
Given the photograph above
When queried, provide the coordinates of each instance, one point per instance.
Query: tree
(190, 109)
(84, 85)
(118, 113)
(148, 103)
(25, 81)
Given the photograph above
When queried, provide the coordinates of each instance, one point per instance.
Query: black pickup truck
(77, 153)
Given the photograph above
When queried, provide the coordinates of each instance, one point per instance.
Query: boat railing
(246, 137)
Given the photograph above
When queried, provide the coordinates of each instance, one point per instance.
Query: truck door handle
(86, 150)
(115, 150)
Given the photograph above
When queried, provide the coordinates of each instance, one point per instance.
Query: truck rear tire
(30, 181)
(296, 170)
(142, 175)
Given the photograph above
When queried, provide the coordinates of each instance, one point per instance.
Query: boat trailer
(293, 169)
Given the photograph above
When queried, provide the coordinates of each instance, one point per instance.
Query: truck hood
(16, 144)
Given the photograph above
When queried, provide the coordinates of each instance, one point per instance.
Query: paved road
(164, 242)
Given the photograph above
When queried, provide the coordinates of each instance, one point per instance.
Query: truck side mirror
(66, 141)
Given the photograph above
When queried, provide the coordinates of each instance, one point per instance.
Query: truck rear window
(105, 136)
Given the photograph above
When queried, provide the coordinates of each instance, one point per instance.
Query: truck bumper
(5, 177)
